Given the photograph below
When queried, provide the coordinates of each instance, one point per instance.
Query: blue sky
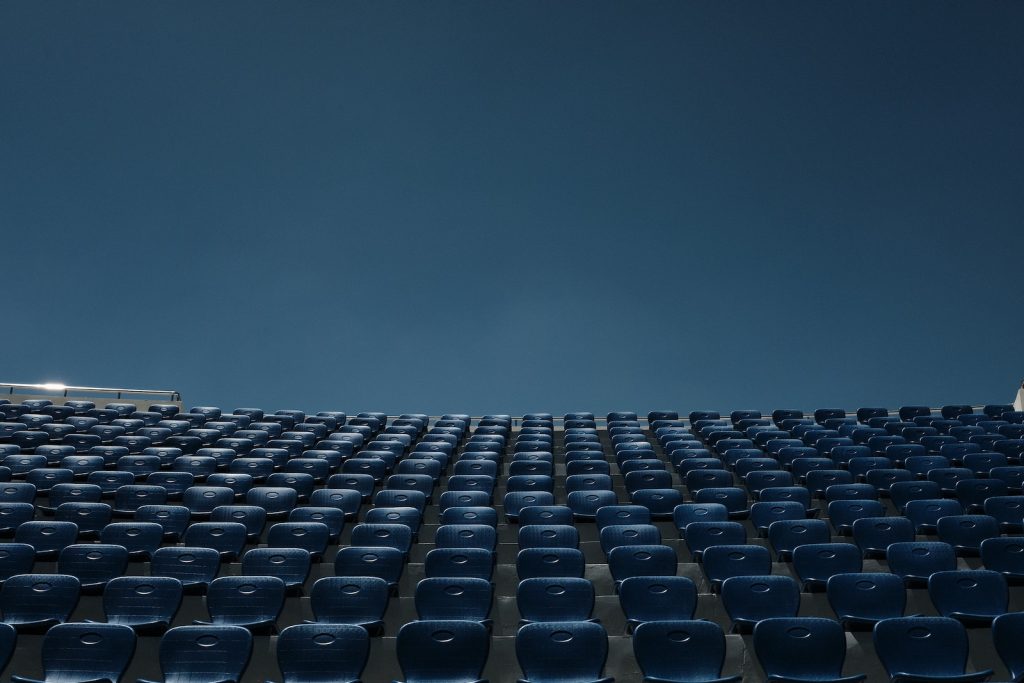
(515, 206)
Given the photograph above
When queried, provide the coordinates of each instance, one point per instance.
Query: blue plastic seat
(322, 653)
(17, 492)
(35, 602)
(93, 564)
(332, 517)
(312, 537)
(48, 538)
(816, 563)
(291, 565)
(548, 536)
(204, 654)
(788, 534)
(459, 562)
(347, 500)
(687, 513)
(1006, 556)
(799, 494)
(967, 532)
(750, 599)
(697, 479)
(464, 598)
(733, 498)
(549, 562)
(640, 560)
(12, 515)
(398, 536)
(925, 514)
(442, 651)
(277, 501)
(915, 561)
(1007, 635)
(302, 482)
(628, 534)
(399, 498)
(679, 651)
(874, 534)
(544, 515)
(793, 649)
(657, 598)
(227, 538)
(16, 558)
(916, 649)
(722, 562)
(702, 535)
(972, 493)
(201, 500)
(174, 483)
(481, 536)
(84, 652)
(903, 492)
(384, 563)
(129, 498)
(843, 513)
(253, 602)
(173, 519)
(354, 600)
(140, 539)
(194, 567)
(558, 652)
(555, 599)
(145, 603)
(585, 504)
(974, 597)
(862, 600)
(762, 514)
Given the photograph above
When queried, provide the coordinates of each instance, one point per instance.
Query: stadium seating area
(208, 546)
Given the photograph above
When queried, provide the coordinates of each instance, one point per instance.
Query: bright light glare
(54, 386)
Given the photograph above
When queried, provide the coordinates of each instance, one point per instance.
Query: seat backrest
(555, 599)
(1007, 635)
(322, 653)
(443, 598)
(562, 651)
(804, 648)
(664, 649)
(382, 562)
(349, 599)
(547, 562)
(978, 594)
(922, 646)
(642, 560)
(38, 598)
(141, 600)
(190, 565)
(442, 650)
(459, 562)
(657, 598)
(245, 598)
(87, 652)
(750, 599)
(205, 654)
(866, 597)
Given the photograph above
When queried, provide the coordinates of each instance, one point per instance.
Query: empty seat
(874, 534)
(173, 519)
(925, 513)
(459, 562)
(641, 560)
(253, 602)
(762, 515)
(48, 538)
(464, 598)
(194, 567)
(397, 536)
(702, 535)
(862, 600)
(1007, 635)
(544, 515)
(227, 538)
(291, 565)
(140, 539)
(788, 534)
(843, 513)
(657, 598)
(547, 562)
(557, 652)
(680, 651)
(35, 602)
(802, 649)
(354, 600)
(312, 537)
(466, 536)
(687, 513)
(967, 532)
(322, 653)
(16, 558)
(816, 563)
(333, 518)
(145, 603)
(749, 599)
(85, 652)
(725, 561)
(384, 563)
(585, 504)
(629, 534)
(924, 648)
(555, 599)
(974, 597)
(93, 564)
(915, 561)
(204, 654)
(548, 536)
(442, 651)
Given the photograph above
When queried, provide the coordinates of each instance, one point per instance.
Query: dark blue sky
(515, 206)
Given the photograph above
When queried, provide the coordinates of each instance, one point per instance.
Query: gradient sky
(515, 206)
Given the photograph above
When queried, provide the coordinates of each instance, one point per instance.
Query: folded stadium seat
(639, 560)
(15, 558)
(762, 514)
(967, 532)
(750, 599)
(47, 537)
(302, 483)
(28, 440)
(382, 562)
(722, 562)
(470, 515)
(732, 498)
(147, 604)
(227, 538)
(407, 516)
(201, 500)
(351, 600)
(681, 651)
(972, 493)
(450, 499)
(442, 651)
(332, 518)
(924, 648)
(322, 653)
(400, 498)
(550, 562)
(12, 515)
(347, 500)
(816, 563)
(654, 598)
(34, 602)
(85, 652)
(585, 504)
(552, 652)
(253, 602)
(862, 600)
(140, 539)
(902, 493)
(363, 483)
(464, 599)
(312, 537)
(240, 484)
(702, 535)
(802, 649)
(915, 561)
(842, 514)
(660, 502)
(547, 536)
(530, 484)
(874, 534)
(544, 514)
(973, 597)
(291, 565)
(925, 514)
(818, 481)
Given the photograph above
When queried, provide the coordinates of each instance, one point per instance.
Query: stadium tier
(146, 542)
